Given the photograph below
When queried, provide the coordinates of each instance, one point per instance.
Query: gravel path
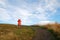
(42, 34)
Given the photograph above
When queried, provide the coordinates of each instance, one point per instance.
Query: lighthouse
(19, 22)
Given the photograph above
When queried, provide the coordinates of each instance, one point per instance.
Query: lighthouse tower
(19, 23)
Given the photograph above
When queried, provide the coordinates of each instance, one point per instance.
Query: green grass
(11, 32)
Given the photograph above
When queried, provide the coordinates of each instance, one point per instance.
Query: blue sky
(29, 11)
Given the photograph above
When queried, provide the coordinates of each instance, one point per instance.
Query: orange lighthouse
(19, 22)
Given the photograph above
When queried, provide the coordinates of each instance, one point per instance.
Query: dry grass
(55, 27)
(11, 32)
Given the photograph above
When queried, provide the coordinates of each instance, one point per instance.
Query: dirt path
(42, 34)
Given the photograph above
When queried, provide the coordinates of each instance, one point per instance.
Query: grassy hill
(12, 32)
(55, 27)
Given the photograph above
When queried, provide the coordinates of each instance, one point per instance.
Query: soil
(42, 34)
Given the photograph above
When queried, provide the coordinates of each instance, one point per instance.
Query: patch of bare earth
(42, 34)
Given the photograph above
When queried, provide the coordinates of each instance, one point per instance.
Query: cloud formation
(29, 11)
(45, 22)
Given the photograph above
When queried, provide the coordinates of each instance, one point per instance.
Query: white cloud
(26, 10)
(3, 3)
(45, 22)
(19, 13)
(22, 14)
(4, 15)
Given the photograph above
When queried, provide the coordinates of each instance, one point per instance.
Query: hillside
(55, 27)
(11, 32)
